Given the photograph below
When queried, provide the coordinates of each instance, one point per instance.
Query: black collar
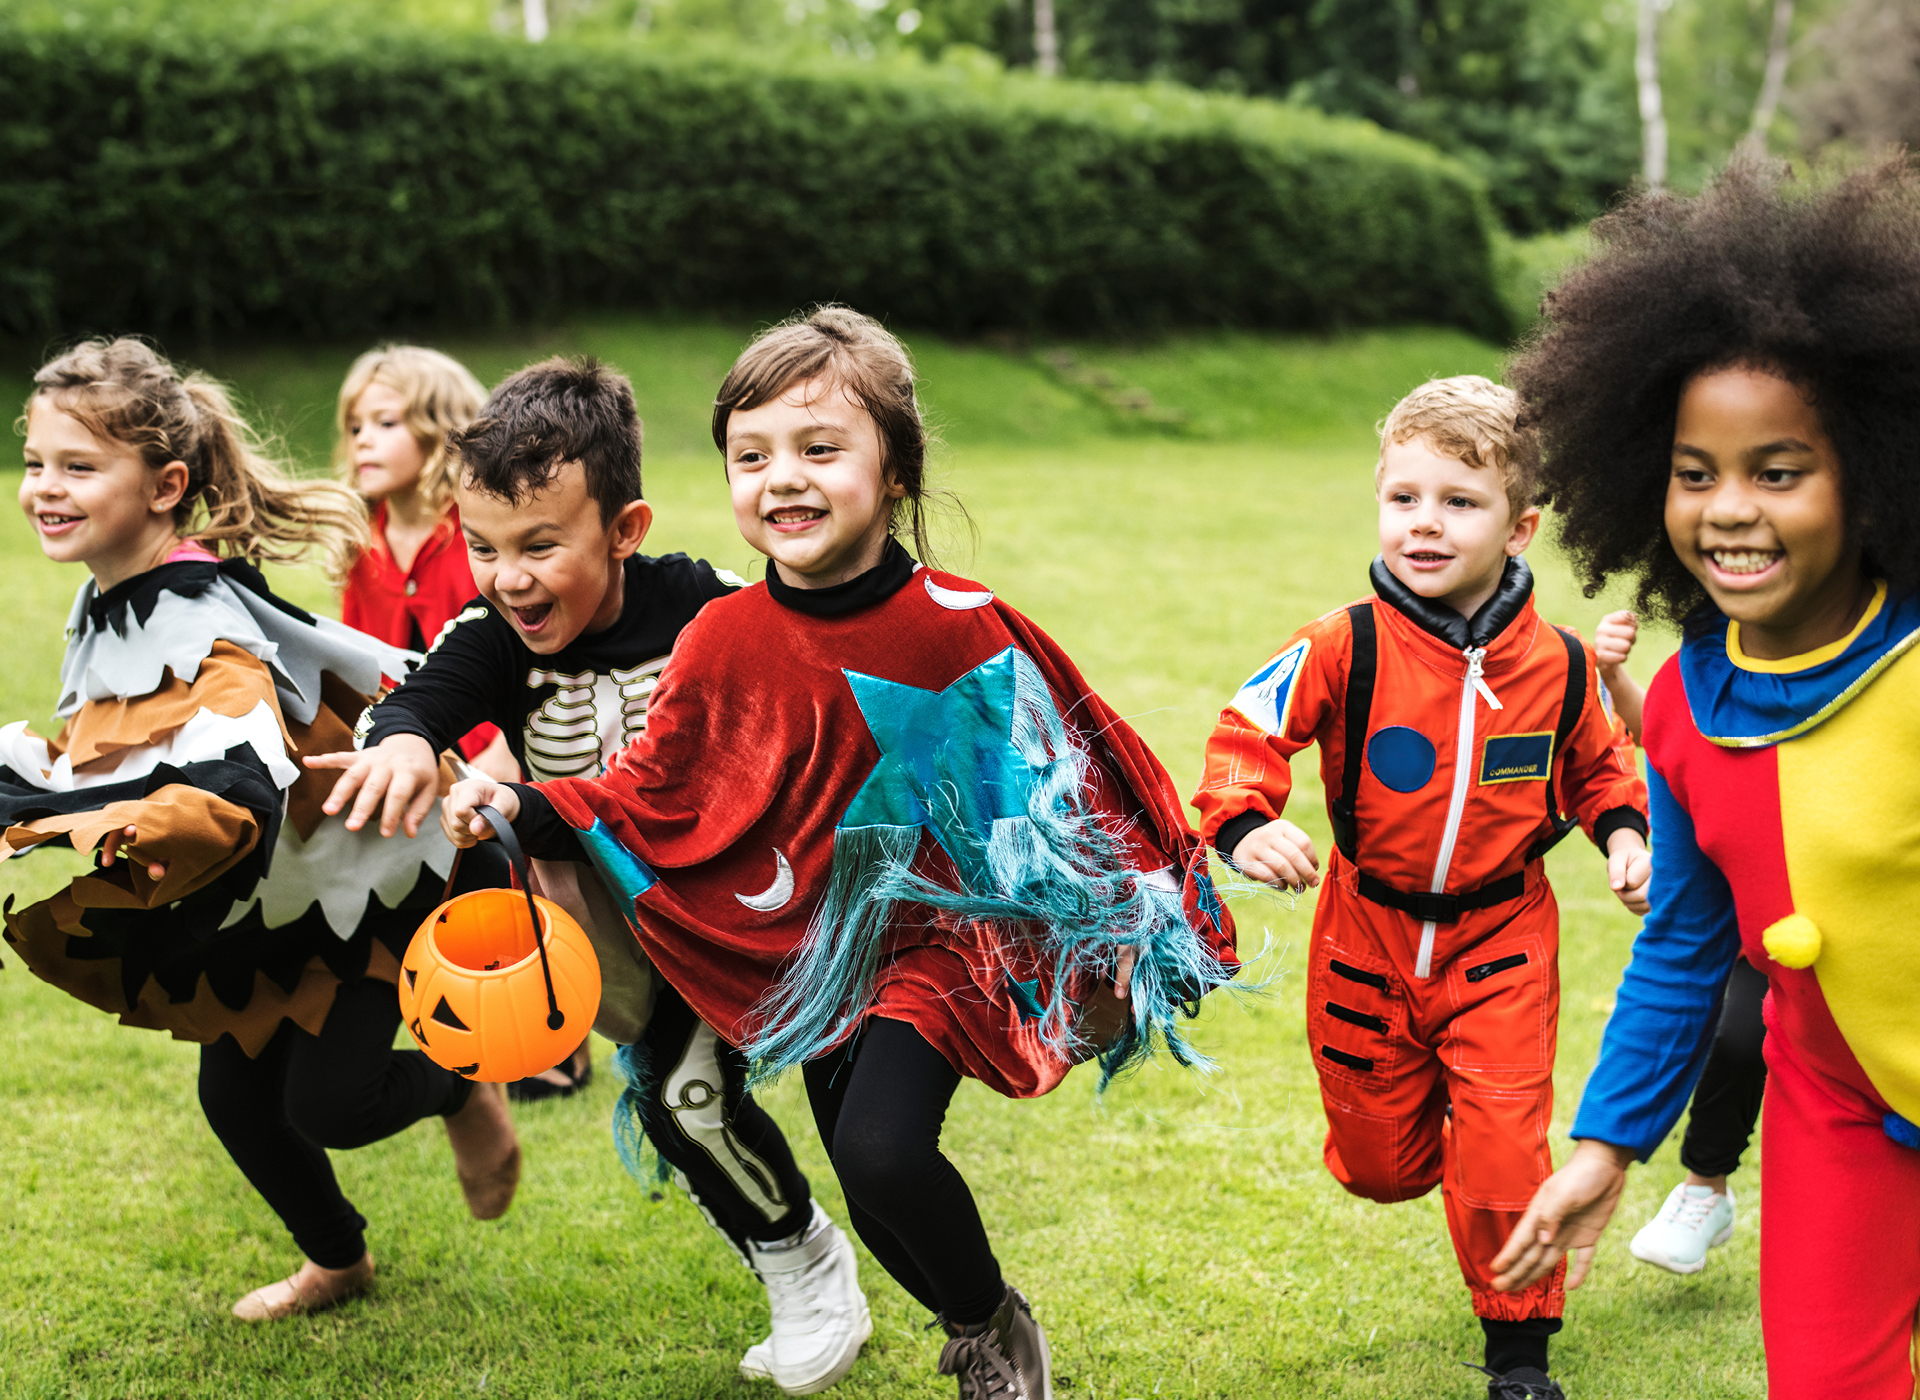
(876, 585)
(187, 578)
(1516, 586)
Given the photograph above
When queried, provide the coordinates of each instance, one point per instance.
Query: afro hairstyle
(1819, 284)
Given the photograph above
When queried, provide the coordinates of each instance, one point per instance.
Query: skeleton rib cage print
(588, 719)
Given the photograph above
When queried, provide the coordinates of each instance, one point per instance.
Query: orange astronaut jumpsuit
(1433, 987)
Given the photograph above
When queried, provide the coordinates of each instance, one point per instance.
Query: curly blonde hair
(240, 499)
(1470, 418)
(442, 397)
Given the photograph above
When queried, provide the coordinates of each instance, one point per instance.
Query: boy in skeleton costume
(562, 651)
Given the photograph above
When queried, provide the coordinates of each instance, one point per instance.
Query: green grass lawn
(1169, 512)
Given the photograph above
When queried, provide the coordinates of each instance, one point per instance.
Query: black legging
(879, 1102)
(345, 1087)
(1726, 1103)
(732, 1158)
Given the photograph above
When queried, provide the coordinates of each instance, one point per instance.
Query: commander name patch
(1517, 758)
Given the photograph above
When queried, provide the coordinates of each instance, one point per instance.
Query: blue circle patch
(1400, 757)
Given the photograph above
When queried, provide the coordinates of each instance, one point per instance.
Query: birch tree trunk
(1046, 40)
(533, 14)
(1653, 120)
(1775, 80)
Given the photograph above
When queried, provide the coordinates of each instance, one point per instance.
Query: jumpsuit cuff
(1618, 819)
(1235, 830)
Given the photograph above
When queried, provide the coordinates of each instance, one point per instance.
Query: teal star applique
(948, 761)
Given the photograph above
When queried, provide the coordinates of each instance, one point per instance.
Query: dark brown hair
(1819, 284)
(860, 355)
(560, 410)
(240, 500)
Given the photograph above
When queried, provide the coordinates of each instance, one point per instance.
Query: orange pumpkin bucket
(499, 985)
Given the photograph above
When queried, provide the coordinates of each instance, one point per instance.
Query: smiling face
(1755, 512)
(809, 487)
(548, 563)
(95, 501)
(1447, 528)
(387, 457)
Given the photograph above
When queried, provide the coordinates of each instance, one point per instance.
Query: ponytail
(240, 500)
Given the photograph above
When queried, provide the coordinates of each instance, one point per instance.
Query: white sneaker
(1694, 1220)
(820, 1318)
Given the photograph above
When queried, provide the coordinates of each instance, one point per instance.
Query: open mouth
(1744, 563)
(534, 618)
(794, 517)
(51, 523)
(1426, 558)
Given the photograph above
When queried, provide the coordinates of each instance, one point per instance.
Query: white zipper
(1473, 686)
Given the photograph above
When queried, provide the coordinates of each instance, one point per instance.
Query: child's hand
(1613, 639)
(460, 810)
(115, 841)
(1629, 869)
(496, 761)
(1278, 853)
(399, 777)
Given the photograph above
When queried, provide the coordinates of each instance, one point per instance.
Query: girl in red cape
(880, 828)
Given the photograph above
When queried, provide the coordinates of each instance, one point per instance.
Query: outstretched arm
(1564, 1218)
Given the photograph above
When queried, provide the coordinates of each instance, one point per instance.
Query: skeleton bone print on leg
(589, 719)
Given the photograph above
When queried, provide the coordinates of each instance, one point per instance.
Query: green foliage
(335, 179)
(1536, 95)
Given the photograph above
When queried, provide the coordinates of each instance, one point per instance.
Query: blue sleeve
(1664, 1015)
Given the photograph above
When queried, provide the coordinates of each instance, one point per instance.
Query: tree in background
(1867, 91)
(1529, 92)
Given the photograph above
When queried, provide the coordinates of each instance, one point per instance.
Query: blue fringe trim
(1052, 879)
(635, 1068)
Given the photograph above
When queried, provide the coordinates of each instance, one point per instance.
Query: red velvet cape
(755, 748)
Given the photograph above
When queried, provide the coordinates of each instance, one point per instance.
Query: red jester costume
(916, 810)
(1786, 810)
(1449, 748)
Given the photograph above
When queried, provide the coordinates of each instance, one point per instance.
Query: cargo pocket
(1506, 998)
(1355, 1016)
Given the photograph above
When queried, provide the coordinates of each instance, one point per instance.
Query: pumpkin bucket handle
(516, 858)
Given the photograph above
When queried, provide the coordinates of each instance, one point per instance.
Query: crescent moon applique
(776, 894)
(953, 599)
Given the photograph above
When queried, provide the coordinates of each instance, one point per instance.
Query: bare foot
(486, 1152)
(311, 1290)
(567, 1075)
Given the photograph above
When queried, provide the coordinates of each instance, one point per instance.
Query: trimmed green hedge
(159, 179)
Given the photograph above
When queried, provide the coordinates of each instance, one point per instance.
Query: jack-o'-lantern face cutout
(474, 993)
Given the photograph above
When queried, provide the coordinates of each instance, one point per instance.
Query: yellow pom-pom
(1793, 942)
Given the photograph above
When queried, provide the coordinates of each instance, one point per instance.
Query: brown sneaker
(311, 1290)
(486, 1152)
(1003, 1358)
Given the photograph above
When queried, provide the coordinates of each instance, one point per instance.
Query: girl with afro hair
(1728, 397)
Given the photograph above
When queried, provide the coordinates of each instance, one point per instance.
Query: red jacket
(409, 609)
(1423, 706)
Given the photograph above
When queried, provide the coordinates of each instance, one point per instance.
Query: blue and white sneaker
(1694, 1220)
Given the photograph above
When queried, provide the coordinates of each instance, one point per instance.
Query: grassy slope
(1179, 1236)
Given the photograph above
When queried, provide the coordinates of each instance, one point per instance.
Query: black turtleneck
(876, 585)
(544, 833)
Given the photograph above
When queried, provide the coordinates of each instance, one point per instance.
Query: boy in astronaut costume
(1455, 729)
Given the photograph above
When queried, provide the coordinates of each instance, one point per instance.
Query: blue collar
(1741, 709)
